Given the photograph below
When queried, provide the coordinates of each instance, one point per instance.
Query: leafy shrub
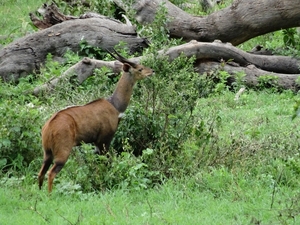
(219, 81)
(268, 82)
(89, 172)
(161, 112)
(76, 8)
(20, 130)
(291, 37)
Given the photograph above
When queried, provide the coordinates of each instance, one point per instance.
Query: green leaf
(3, 163)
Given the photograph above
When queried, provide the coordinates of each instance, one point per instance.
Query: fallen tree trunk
(252, 75)
(218, 50)
(209, 57)
(27, 54)
(80, 71)
(241, 21)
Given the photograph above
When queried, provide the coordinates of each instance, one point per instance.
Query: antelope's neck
(121, 96)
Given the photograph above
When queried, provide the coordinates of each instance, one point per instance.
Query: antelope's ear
(126, 67)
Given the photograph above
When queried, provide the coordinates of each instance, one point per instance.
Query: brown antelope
(95, 122)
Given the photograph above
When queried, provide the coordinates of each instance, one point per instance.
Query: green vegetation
(218, 197)
(15, 21)
(207, 156)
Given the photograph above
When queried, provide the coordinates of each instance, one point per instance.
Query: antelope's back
(82, 123)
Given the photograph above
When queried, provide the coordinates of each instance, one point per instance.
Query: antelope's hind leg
(59, 162)
(56, 168)
(48, 157)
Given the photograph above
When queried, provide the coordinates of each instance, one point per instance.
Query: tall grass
(218, 197)
(15, 21)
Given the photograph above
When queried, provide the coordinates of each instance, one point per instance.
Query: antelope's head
(138, 71)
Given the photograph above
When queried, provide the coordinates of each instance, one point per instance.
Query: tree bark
(26, 54)
(252, 75)
(80, 71)
(241, 21)
(210, 57)
(51, 16)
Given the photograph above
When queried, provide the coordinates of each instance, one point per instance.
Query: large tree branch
(241, 21)
(252, 74)
(218, 50)
(81, 70)
(26, 54)
(252, 65)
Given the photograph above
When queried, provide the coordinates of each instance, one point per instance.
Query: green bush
(268, 82)
(19, 130)
(161, 114)
(88, 172)
(76, 8)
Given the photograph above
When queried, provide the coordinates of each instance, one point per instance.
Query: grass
(170, 204)
(15, 21)
(256, 114)
(244, 201)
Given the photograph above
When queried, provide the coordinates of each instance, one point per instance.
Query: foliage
(90, 173)
(90, 51)
(162, 117)
(235, 198)
(24, 114)
(282, 42)
(291, 38)
(157, 31)
(77, 8)
(268, 81)
(296, 112)
(16, 22)
(19, 126)
(219, 81)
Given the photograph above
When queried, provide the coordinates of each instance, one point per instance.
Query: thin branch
(274, 188)
(150, 208)
(65, 218)
(110, 210)
(34, 209)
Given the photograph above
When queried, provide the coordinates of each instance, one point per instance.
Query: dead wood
(27, 54)
(241, 21)
(51, 16)
(225, 51)
(209, 57)
(81, 71)
(252, 74)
